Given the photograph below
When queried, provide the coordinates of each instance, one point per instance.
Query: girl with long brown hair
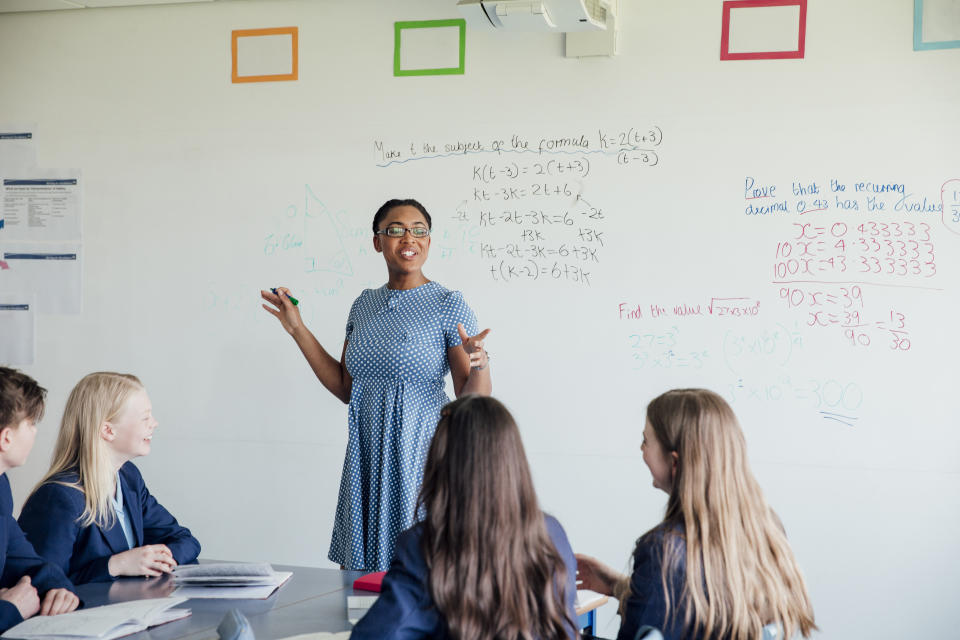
(719, 565)
(484, 562)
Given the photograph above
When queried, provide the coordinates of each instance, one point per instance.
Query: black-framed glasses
(399, 232)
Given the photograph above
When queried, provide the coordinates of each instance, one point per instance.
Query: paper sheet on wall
(941, 20)
(42, 205)
(17, 151)
(52, 271)
(18, 345)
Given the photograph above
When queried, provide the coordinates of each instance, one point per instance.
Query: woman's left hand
(473, 345)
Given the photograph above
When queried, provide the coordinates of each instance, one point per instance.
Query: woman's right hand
(23, 596)
(596, 576)
(148, 560)
(282, 309)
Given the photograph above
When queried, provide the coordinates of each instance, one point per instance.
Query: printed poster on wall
(52, 271)
(41, 206)
(18, 345)
(17, 151)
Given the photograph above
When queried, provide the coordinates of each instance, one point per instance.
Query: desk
(587, 615)
(312, 600)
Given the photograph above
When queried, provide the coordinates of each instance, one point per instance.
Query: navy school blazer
(18, 558)
(405, 610)
(50, 520)
(647, 602)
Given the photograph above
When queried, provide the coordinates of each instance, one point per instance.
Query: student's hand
(58, 601)
(148, 560)
(23, 596)
(596, 576)
(473, 345)
(282, 309)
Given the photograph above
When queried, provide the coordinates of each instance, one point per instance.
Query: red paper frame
(762, 55)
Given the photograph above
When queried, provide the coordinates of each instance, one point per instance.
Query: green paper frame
(398, 28)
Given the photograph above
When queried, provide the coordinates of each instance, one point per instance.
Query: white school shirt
(123, 517)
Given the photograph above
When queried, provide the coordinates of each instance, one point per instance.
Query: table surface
(311, 600)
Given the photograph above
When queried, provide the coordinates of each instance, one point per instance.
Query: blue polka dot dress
(397, 343)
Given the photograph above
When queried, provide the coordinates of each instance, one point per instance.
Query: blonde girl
(719, 565)
(92, 514)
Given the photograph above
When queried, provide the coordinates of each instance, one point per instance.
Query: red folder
(370, 582)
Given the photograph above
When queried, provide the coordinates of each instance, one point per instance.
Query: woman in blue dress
(401, 341)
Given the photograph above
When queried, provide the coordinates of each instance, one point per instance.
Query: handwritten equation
(662, 350)
(629, 146)
(522, 198)
(895, 250)
(833, 400)
(493, 173)
(735, 307)
(843, 307)
(950, 204)
(842, 238)
(746, 354)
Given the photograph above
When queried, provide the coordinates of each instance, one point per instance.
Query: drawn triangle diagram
(324, 238)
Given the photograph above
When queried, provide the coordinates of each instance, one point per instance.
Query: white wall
(186, 176)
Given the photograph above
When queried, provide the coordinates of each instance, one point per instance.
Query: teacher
(401, 341)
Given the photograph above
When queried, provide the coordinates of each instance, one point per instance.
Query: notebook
(100, 623)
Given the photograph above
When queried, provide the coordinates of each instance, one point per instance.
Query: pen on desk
(292, 299)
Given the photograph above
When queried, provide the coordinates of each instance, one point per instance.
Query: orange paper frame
(275, 31)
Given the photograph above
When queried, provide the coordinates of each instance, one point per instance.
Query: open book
(101, 623)
(225, 573)
(228, 580)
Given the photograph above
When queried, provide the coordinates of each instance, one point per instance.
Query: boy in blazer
(28, 584)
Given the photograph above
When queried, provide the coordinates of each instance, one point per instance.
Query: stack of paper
(101, 623)
(366, 590)
(228, 580)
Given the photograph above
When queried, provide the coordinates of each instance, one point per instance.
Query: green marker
(290, 297)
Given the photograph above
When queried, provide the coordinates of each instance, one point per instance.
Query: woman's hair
(493, 570)
(97, 398)
(20, 397)
(740, 570)
(392, 204)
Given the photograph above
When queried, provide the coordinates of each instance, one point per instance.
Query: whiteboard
(679, 245)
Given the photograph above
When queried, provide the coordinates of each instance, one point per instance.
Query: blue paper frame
(918, 43)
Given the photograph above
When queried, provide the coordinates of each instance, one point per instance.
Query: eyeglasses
(399, 232)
